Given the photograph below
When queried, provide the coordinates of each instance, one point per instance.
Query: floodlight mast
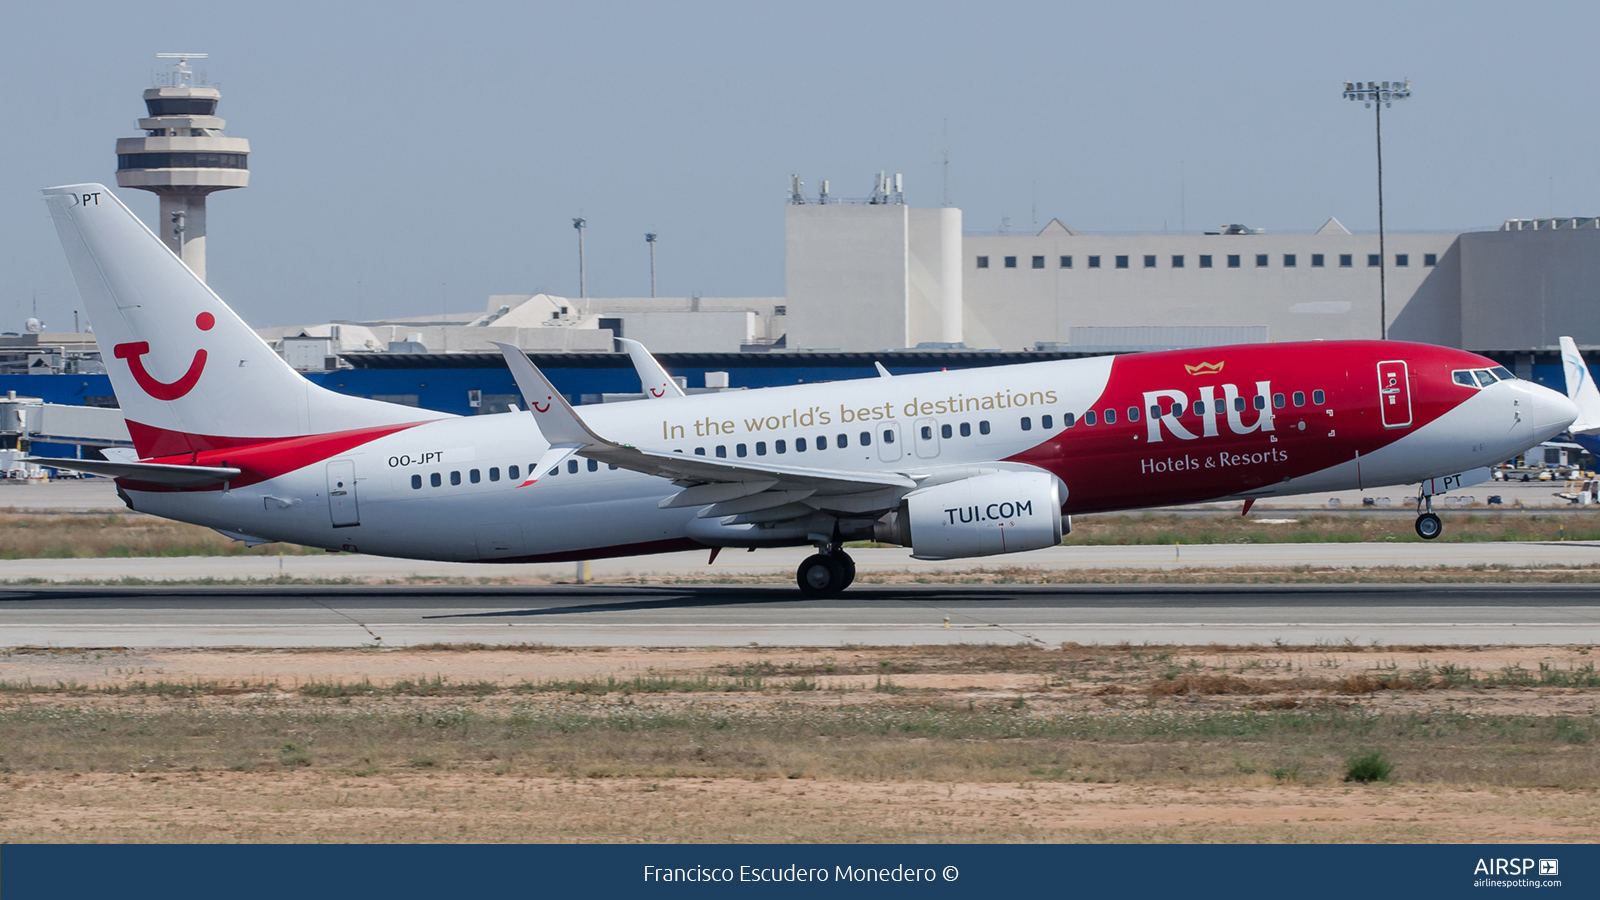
(1377, 95)
(580, 224)
(650, 238)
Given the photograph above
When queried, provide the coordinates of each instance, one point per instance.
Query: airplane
(953, 464)
(1580, 388)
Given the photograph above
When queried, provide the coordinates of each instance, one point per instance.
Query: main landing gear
(826, 574)
(1429, 525)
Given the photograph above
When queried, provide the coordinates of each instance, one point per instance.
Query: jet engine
(1006, 512)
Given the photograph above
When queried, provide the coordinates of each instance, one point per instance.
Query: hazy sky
(409, 158)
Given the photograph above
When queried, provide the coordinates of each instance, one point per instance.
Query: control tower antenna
(183, 157)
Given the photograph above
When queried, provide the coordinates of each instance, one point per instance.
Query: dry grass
(1345, 527)
(26, 535)
(975, 743)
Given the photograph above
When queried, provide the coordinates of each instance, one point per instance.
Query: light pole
(650, 238)
(579, 224)
(1377, 95)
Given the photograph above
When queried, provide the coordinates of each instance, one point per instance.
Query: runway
(663, 616)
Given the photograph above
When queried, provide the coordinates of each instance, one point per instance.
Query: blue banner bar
(435, 871)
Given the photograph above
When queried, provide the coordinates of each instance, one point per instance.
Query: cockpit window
(1465, 378)
(1502, 373)
(1485, 377)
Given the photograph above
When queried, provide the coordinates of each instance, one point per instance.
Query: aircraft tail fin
(1580, 388)
(188, 373)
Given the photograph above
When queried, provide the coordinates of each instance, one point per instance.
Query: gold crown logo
(1205, 369)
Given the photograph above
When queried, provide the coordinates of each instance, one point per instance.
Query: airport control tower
(183, 157)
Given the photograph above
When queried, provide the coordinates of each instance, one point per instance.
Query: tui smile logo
(161, 390)
(1204, 368)
(542, 408)
(657, 392)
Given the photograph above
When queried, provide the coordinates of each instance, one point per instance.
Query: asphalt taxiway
(602, 615)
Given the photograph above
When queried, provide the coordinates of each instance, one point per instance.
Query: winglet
(882, 372)
(1580, 388)
(555, 417)
(653, 379)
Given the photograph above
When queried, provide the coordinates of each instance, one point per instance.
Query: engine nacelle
(1007, 512)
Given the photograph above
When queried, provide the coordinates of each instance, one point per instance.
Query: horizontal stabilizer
(150, 473)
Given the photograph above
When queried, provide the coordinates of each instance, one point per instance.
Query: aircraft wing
(1580, 388)
(653, 379)
(727, 487)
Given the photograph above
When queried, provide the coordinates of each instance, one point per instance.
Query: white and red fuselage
(954, 464)
(1329, 419)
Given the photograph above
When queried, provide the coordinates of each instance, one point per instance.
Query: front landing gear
(1428, 525)
(826, 574)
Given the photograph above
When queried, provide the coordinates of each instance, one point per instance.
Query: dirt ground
(861, 744)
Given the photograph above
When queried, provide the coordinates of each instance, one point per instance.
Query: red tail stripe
(260, 458)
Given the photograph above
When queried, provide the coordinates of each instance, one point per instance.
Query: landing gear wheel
(1429, 526)
(821, 576)
(849, 567)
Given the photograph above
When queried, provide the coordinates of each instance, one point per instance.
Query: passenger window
(866, 439)
(842, 441)
(799, 445)
(983, 427)
(927, 432)
(1069, 420)
(761, 448)
(494, 473)
(611, 466)
(1238, 404)
(1088, 417)
(513, 473)
(474, 477)
(888, 435)
(1318, 398)
(945, 430)
(1176, 409)
(966, 429)
(1277, 401)
(1299, 398)
(741, 450)
(1259, 401)
(594, 466)
(572, 466)
(554, 471)
(1133, 414)
(722, 451)
(1047, 422)
(779, 446)
(822, 442)
(1199, 407)
(699, 451)
(435, 480)
(1111, 417)
(1155, 412)
(416, 482)
(1027, 424)
(455, 478)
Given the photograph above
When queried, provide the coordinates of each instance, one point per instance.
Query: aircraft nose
(1552, 412)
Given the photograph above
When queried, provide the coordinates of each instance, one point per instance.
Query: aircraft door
(1394, 393)
(926, 434)
(342, 493)
(889, 448)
